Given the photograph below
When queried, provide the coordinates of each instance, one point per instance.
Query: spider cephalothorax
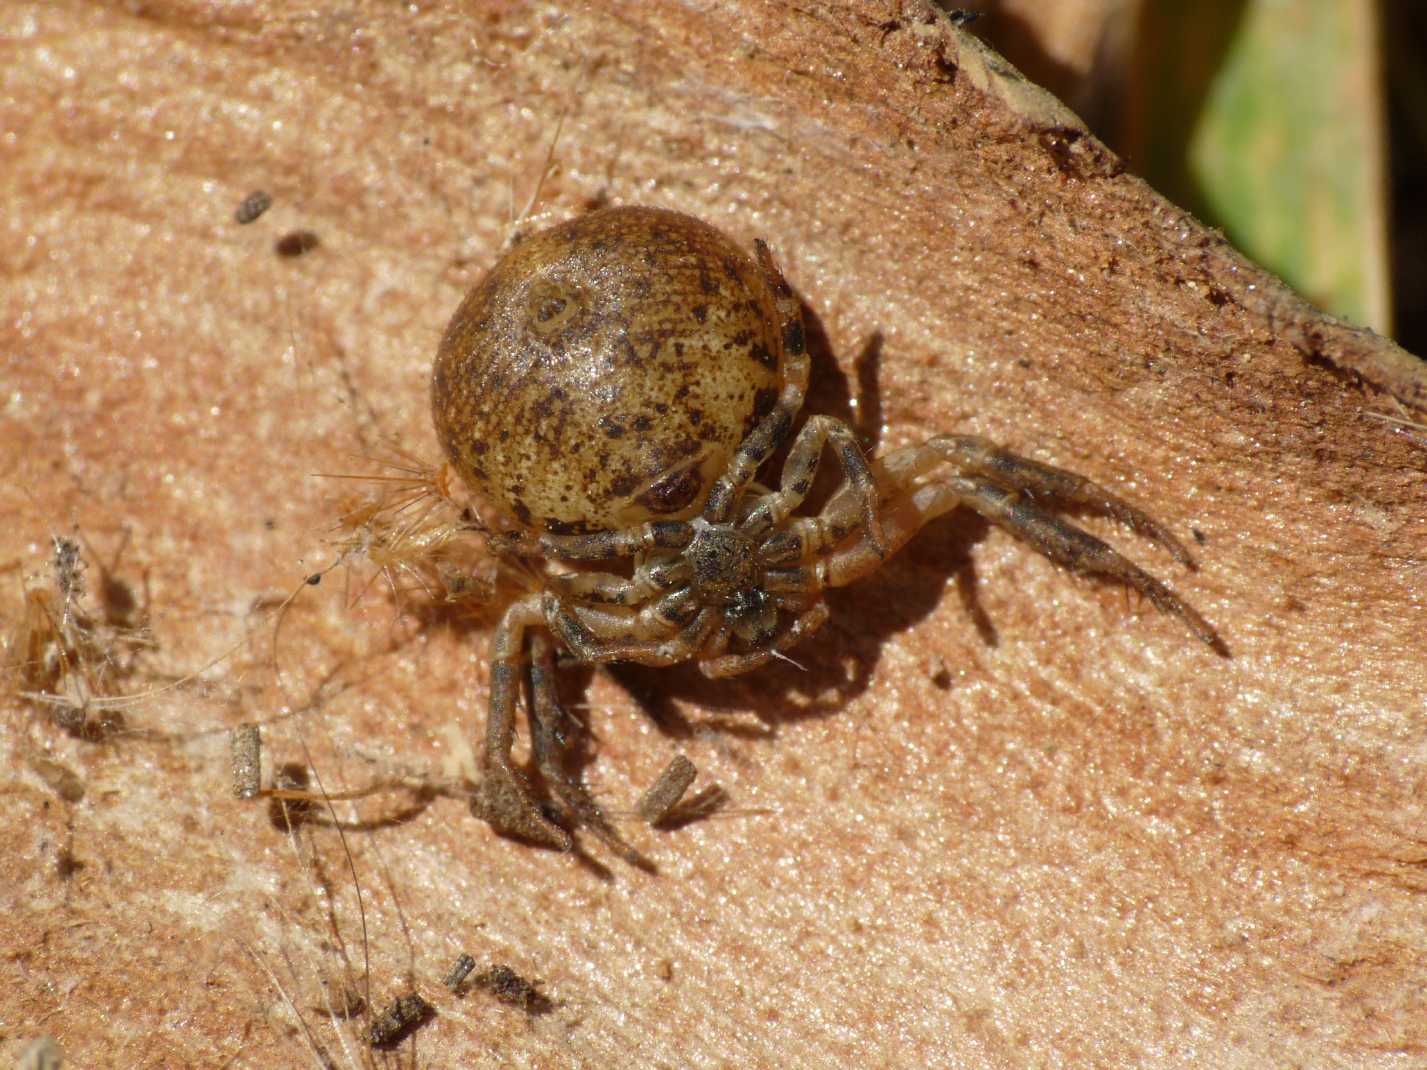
(613, 386)
(710, 592)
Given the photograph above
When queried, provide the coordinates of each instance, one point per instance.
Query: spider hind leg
(1015, 493)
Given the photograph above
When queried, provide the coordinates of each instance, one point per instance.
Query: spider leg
(605, 588)
(504, 798)
(813, 618)
(670, 630)
(683, 646)
(591, 631)
(768, 435)
(971, 455)
(1057, 539)
(804, 537)
(802, 466)
(1005, 488)
(667, 645)
(717, 642)
(549, 744)
(608, 545)
(900, 471)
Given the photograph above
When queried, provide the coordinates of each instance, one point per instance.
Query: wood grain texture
(1001, 818)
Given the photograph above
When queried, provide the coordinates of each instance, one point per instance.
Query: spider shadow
(832, 392)
(286, 815)
(833, 667)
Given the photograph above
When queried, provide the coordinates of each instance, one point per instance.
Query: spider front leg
(504, 799)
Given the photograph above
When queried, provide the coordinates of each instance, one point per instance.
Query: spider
(612, 388)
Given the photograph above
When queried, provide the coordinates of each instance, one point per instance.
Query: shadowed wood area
(999, 817)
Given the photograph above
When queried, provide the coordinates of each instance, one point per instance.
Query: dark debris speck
(252, 206)
(295, 243)
(395, 1023)
(512, 989)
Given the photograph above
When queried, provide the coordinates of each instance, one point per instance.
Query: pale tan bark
(1004, 818)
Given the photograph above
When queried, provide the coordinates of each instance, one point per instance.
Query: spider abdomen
(605, 370)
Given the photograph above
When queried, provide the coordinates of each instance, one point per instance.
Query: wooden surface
(1000, 818)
